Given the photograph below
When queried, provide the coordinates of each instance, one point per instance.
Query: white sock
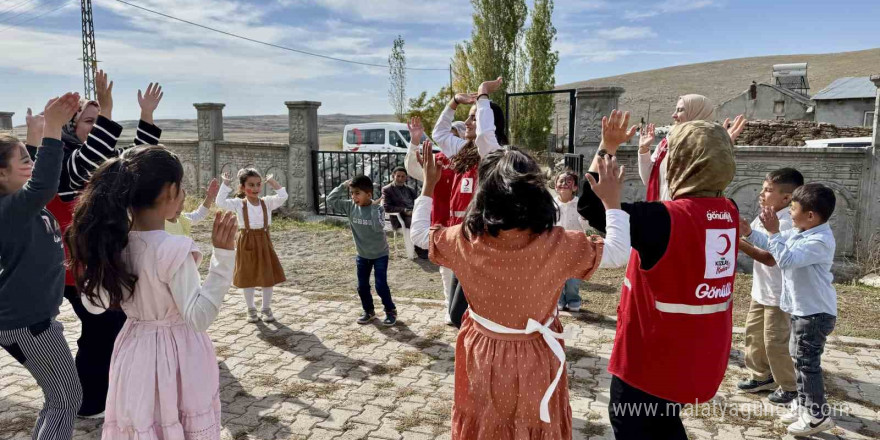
(267, 298)
(249, 297)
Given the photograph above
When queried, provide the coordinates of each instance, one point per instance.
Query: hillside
(719, 80)
(266, 128)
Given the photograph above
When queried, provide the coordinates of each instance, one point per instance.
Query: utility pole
(89, 58)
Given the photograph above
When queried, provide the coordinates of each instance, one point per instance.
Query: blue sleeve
(337, 201)
(812, 250)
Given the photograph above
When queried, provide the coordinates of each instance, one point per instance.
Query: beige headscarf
(697, 108)
(701, 162)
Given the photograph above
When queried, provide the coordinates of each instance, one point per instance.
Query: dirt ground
(319, 257)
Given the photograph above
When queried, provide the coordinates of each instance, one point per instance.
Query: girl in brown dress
(256, 264)
(510, 381)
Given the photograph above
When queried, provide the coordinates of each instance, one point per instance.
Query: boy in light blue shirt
(805, 255)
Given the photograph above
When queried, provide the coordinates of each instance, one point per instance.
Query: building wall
(763, 106)
(844, 112)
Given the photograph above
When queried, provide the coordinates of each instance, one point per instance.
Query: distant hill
(266, 128)
(719, 80)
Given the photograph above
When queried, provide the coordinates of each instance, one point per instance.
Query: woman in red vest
(674, 320)
(652, 166)
(481, 138)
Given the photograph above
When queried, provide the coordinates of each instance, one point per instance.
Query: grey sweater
(31, 254)
(367, 223)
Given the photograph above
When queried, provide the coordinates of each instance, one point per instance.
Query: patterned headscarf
(701, 161)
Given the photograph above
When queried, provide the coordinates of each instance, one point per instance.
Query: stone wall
(840, 168)
(794, 133)
(844, 112)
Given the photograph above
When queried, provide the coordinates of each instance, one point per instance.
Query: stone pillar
(6, 121)
(869, 208)
(592, 104)
(303, 120)
(209, 117)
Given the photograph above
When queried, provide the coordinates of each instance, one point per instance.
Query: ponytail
(102, 220)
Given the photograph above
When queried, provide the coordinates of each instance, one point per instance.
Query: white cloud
(668, 7)
(403, 12)
(595, 50)
(626, 33)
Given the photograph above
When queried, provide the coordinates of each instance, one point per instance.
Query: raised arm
(411, 162)
(486, 140)
(223, 201)
(147, 131)
(450, 144)
(646, 164)
(43, 184)
(276, 200)
(339, 200)
(421, 219)
(199, 304)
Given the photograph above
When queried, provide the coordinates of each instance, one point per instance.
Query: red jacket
(462, 192)
(674, 321)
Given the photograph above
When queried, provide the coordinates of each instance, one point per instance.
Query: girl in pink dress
(164, 380)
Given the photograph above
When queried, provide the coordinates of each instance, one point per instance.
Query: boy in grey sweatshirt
(354, 198)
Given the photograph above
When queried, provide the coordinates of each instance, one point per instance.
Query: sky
(41, 46)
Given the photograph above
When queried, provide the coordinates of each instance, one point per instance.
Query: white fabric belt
(550, 337)
(689, 309)
(458, 214)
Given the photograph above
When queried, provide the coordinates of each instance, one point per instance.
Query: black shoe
(782, 397)
(421, 253)
(390, 319)
(366, 318)
(753, 386)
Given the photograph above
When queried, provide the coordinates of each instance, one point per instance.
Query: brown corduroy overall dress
(256, 264)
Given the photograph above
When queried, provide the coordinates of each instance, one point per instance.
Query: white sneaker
(809, 425)
(267, 315)
(793, 414)
(252, 316)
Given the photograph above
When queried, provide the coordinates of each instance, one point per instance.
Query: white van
(376, 137)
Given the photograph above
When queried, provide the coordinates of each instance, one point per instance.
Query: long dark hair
(512, 194)
(8, 144)
(469, 156)
(103, 218)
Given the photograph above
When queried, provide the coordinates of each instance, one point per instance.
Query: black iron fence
(334, 167)
(575, 162)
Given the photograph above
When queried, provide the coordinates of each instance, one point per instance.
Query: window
(405, 134)
(374, 136)
(779, 107)
(869, 119)
(395, 139)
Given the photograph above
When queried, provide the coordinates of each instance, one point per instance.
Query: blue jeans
(571, 295)
(364, 267)
(808, 334)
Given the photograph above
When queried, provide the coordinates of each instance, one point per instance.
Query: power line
(63, 5)
(16, 6)
(12, 17)
(384, 66)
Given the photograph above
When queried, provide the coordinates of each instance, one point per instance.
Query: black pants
(808, 336)
(95, 349)
(638, 415)
(457, 303)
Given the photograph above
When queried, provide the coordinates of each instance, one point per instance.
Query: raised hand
(610, 184)
(614, 131)
(35, 124)
(379, 201)
(227, 179)
(149, 101)
(211, 193)
(735, 129)
(58, 112)
(745, 229)
(466, 98)
(489, 87)
(431, 168)
(416, 130)
(223, 234)
(770, 220)
(646, 139)
(270, 179)
(104, 93)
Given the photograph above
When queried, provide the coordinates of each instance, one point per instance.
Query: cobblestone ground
(315, 374)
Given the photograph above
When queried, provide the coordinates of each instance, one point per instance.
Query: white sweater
(569, 217)
(255, 213)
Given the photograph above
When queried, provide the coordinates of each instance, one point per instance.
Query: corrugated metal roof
(848, 88)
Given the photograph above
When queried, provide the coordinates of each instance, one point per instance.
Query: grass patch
(294, 390)
(385, 370)
(333, 297)
(591, 427)
(359, 339)
(406, 392)
(437, 417)
(410, 359)
(272, 420)
(384, 385)
(266, 381)
(21, 423)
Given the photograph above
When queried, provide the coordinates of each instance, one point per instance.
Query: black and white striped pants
(41, 348)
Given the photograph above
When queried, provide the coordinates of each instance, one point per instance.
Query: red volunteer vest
(653, 194)
(442, 192)
(463, 187)
(674, 321)
(63, 212)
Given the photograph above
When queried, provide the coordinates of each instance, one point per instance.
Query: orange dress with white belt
(510, 363)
